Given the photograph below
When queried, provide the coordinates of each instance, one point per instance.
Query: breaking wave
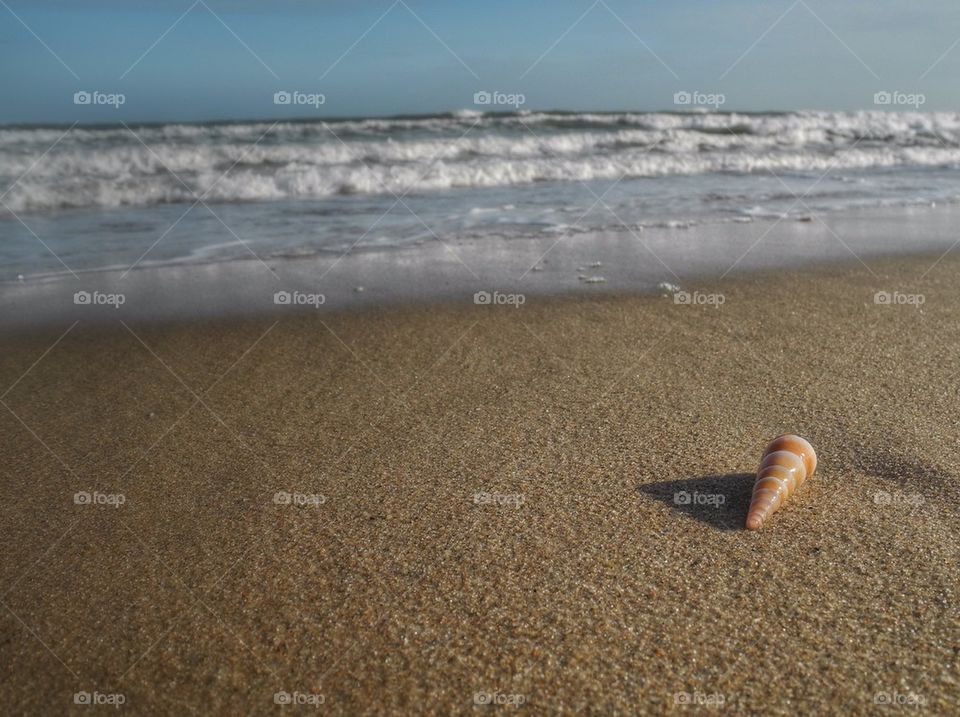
(148, 165)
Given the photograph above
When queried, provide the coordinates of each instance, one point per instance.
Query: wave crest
(239, 162)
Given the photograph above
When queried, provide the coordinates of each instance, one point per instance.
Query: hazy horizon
(224, 60)
(447, 113)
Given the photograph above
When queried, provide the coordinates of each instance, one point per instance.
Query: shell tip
(754, 522)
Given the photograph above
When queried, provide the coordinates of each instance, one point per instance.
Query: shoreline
(452, 271)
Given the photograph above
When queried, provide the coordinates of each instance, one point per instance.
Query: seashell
(787, 462)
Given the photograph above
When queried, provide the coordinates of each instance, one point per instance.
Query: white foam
(251, 162)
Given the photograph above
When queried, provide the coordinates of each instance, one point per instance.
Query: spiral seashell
(787, 462)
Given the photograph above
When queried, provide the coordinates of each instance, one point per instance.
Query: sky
(187, 60)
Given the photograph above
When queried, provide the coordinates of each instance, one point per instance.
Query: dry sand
(591, 592)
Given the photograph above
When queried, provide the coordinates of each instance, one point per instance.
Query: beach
(445, 507)
(427, 358)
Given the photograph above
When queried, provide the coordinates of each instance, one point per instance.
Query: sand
(483, 506)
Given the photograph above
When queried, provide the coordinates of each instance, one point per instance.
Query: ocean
(136, 196)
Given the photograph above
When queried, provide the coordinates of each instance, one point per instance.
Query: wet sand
(452, 269)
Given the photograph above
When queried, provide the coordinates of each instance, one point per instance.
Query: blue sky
(225, 59)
